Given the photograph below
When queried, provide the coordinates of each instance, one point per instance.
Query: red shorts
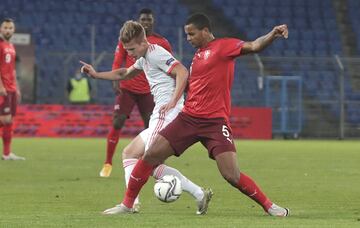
(185, 130)
(8, 104)
(125, 102)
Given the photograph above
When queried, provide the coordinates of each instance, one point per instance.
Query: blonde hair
(132, 30)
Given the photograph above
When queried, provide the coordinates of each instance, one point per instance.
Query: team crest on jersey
(169, 61)
(207, 54)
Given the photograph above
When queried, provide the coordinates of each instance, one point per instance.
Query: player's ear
(205, 30)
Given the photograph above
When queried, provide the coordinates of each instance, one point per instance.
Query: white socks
(186, 184)
(160, 171)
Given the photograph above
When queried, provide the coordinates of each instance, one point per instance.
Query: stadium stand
(61, 31)
(313, 33)
(63, 27)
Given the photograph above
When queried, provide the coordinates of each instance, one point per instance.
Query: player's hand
(3, 91)
(281, 31)
(165, 108)
(88, 69)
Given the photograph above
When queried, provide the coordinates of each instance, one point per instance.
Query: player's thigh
(7, 108)
(216, 136)
(145, 103)
(159, 150)
(181, 133)
(136, 148)
(228, 166)
(123, 107)
(13, 104)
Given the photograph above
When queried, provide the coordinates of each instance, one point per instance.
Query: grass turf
(58, 186)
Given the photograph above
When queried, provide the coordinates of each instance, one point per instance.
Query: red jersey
(7, 65)
(139, 84)
(211, 77)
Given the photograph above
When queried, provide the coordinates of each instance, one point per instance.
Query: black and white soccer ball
(168, 188)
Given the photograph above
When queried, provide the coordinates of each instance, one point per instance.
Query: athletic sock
(138, 178)
(186, 184)
(129, 165)
(6, 137)
(247, 186)
(112, 141)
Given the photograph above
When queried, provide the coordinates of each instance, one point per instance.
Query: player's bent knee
(119, 121)
(126, 153)
(129, 153)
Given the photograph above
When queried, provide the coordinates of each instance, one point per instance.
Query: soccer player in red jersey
(205, 116)
(9, 91)
(131, 92)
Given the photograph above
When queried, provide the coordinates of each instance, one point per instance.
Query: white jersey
(157, 65)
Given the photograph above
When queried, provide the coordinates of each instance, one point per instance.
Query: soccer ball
(168, 188)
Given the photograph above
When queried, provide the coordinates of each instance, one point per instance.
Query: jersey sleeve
(232, 47)
(139, 64)
(119, 56)
(164, 60)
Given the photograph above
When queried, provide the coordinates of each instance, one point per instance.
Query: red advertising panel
(95, 121)
(251, 123)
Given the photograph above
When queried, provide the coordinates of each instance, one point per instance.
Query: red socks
(6, 137)
(112, 141)
(138, 178)
(247, 186)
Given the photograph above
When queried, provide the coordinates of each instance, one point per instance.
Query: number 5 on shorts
(226, 133)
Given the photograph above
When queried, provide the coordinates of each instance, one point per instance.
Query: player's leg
(141, 173)
(228, 167)
(122, 109)
(168, 142)
(216, 136)
(8, 111)
(136, 149)
(145, 103)
(202, 196)
(6, 123)
(158, 152)
(130, 155)
(175, 138)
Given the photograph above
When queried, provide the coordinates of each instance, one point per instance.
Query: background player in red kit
(9, 91)
(205, 116)
(131, 92)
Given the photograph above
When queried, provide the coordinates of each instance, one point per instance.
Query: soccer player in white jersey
(167, 78)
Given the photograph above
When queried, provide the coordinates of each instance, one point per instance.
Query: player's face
(147, 21)
(194, 36)
(7, 29)
(136, 49)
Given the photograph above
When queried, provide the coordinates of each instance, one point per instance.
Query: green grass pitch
(58, 186)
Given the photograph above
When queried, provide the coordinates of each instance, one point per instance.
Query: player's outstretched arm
(118, 74)
(264, 41)
(180, 73)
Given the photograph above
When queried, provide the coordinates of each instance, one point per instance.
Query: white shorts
(156, 124)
